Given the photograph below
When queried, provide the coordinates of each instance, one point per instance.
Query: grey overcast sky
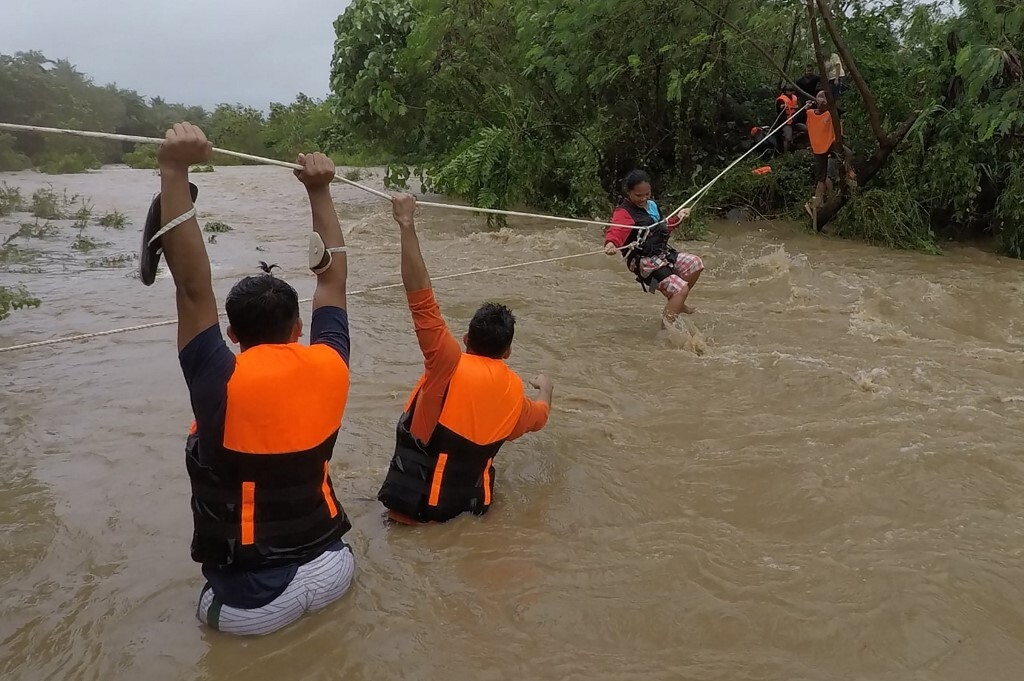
(190, 51)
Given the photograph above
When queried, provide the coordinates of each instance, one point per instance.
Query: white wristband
(317, 251)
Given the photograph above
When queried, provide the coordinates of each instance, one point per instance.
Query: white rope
(293, 166)
(690, 202)
(153, 140)
(157, 140)
(168, 322)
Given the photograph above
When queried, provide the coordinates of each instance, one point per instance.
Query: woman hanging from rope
(657, 266)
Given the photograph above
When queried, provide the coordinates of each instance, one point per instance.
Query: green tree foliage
(550, 102)
(35, 90)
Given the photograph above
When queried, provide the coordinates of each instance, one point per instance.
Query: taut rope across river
(690, 202)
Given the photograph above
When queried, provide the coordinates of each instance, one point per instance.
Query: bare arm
(545, 387)
(535, 413)
(183, 246)
(317, 174)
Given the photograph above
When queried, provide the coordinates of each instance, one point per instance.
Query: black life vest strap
(647, 243)
(296, 493)
(265, 531)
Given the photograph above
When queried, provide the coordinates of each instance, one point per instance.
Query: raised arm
(317, 174)
(414, 270)
(183, 246)
(441, 352)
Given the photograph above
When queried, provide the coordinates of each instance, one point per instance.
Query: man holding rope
(823, 146)
(465, 406)
(268, 527)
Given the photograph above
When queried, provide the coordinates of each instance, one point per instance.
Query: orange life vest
(791, 104)
(820, 131)
(453, 472)
(263, 497)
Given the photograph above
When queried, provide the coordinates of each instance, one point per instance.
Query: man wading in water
(464, 407)
(267, 525)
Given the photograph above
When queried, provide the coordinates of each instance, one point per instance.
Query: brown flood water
(832, 489)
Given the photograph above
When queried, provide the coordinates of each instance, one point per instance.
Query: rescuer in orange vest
(268, 527)
(787, 105)
(822, 137)
(465, 406)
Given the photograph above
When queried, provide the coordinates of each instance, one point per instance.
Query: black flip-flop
(149, 258)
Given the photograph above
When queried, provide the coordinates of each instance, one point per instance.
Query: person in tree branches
(808, 83)
(822, 137)
(644, 238)
(836, 75)
(787, 105)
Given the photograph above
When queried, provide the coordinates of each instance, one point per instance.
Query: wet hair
(491, 331)
(634, 178)
(262, 309)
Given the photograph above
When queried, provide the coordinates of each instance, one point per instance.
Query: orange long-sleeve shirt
(441, 355)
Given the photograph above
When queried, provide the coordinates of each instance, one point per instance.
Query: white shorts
(316, 584)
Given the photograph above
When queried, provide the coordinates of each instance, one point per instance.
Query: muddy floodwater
(821, 479)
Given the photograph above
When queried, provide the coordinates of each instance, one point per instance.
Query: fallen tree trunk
(867, 171)
(833, 107)
(887, 142)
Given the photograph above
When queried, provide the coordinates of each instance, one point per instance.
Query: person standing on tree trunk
(836, 75)
(822, 137)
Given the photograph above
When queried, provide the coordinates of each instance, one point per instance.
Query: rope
(168, 322)
(692, 201)
(430, 204)
(153, 140)
(157, 140)
(293, 166)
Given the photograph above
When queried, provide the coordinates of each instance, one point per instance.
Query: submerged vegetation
(15, 299)
(55, 216)
(217, 227)
(36, 90)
